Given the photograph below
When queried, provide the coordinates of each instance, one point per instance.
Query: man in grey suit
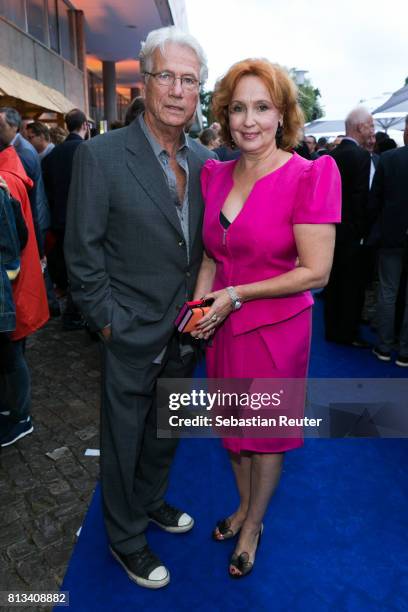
(133, 249)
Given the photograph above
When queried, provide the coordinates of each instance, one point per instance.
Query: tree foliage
(309, 101)
(205, 100)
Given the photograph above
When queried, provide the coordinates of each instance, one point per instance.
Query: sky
(353, 50)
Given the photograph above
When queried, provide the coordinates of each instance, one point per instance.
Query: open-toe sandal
(223, 531)
(241, 562)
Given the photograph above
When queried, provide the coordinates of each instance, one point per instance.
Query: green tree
(308, 98)
(309, 101)
(205, 100)
(406, 81)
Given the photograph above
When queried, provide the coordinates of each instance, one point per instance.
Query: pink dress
(266, 338)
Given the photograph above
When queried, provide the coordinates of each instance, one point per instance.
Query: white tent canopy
(389, 119)
(398, 102)
(324, 127)
(393, 112)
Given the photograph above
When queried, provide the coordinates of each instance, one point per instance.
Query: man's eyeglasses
(167, 79)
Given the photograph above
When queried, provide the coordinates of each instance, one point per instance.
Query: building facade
(59, 54)
(42, 57)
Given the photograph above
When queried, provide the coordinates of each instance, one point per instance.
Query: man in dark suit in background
(388, 209)
(369, 252)
(344, 294)
(321, 148)
(57, 172)
(133, 248)
(311, 143)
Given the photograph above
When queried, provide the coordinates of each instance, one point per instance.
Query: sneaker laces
(168, 512)
(144, 560)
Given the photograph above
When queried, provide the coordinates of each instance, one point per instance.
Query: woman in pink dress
(269, 238)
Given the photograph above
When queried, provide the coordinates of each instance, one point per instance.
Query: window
(36, 19)
(49, 21)
(14, 10)
(67, 46)
(53, 25)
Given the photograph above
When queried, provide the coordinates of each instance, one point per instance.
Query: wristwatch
(236, 302)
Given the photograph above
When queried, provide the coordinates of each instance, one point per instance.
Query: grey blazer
(125, 251)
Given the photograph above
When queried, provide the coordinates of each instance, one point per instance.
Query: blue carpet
(336, 534)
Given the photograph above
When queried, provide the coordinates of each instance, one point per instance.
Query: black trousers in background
(58, 272)
(51, 297)
(134, 463)
(56, 261)
(15, 378)
(344, 294)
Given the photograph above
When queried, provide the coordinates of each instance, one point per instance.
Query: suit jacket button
(181, 243)
(188, 274)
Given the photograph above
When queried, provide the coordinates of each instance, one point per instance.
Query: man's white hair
(358, 115)
(158, 39)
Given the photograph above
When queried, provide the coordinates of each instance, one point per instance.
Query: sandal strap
(244, 564)
(224, 527)
(241, 563)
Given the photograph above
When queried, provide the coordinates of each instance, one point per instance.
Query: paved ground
(43, 499)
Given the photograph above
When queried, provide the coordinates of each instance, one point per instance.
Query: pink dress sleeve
(319, 195)
(205, 176)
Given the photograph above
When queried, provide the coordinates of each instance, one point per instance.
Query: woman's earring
(279, 135)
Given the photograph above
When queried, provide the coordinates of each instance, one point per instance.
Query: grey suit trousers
(135, 464)
(390, 271)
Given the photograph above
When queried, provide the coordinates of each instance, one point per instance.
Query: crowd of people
(123, 228)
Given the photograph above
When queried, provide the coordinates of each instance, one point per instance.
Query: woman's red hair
(283, 92)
